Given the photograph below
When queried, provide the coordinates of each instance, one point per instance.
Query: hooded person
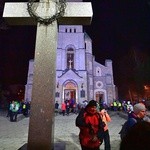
(139, 112)
(91, 104)
(138, 108)
(89, 126)
(136, 116)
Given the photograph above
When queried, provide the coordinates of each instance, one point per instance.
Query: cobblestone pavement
(13, 135)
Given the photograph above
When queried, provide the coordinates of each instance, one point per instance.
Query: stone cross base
(57, 146)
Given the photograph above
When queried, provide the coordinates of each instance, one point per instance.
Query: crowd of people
(17, 107)
(67, 107)
(71, 106)
(92, 122)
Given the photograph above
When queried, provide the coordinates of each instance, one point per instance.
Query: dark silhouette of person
(137, 138)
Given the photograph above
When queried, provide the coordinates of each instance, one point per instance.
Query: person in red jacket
(63, 108)
(89, 126)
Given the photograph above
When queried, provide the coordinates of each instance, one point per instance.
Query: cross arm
(76, 13)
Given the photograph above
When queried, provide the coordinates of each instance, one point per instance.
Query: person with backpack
(137, 115)
(91, 127)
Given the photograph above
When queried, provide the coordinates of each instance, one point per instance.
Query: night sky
(120, 31)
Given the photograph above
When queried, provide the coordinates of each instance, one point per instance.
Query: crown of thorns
(61, 5)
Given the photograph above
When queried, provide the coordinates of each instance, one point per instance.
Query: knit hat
(138, 107)
(92, 103)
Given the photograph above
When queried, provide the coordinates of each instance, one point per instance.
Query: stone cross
(41, 124)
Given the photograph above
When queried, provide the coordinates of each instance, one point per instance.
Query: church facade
(78, 75)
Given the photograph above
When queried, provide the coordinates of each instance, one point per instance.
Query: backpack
(124, 130)
(80, 118)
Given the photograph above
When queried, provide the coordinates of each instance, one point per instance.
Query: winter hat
(92, 103)
(138, 107)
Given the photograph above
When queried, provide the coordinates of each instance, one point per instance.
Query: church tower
(71, 74)
(78, 76)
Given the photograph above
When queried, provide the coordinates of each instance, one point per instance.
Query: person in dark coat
(139, 112)
(137, 138)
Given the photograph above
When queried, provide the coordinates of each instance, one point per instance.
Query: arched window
(57, 94)
(70, 58)
(82, 93)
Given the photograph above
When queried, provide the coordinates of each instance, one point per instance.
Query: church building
(78, 75)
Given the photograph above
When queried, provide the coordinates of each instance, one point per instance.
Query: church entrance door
(70, 94)
(99, 97)
(70, 89)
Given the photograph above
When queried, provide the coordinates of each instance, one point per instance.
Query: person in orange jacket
(106, 118)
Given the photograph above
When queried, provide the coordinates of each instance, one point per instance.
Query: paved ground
(14, 134)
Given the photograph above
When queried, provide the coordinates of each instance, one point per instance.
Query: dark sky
(120, 31)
